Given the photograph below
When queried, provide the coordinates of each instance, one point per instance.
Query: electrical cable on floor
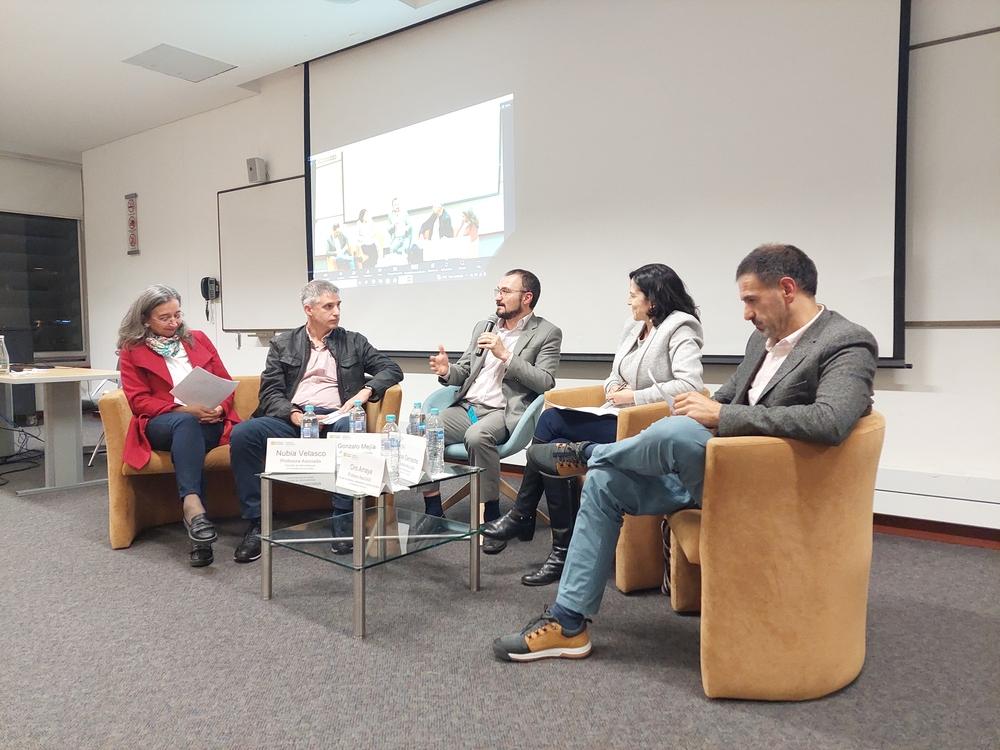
(31, 464)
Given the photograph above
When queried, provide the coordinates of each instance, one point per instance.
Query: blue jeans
(248, 449)
(188, 440)
(659, 471)
(557, 424)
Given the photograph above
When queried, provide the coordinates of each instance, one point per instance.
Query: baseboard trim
(937, 531)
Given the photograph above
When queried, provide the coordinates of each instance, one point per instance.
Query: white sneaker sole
(580, 652)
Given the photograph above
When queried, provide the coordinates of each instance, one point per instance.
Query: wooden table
(62, 429)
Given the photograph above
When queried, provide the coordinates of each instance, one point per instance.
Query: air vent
(179, 63)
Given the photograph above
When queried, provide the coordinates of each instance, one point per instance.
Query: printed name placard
(298, 456)
(412, 458)
(356, 443)
(362, 474)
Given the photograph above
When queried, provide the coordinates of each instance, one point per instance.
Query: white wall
(176, 170)
(41, 187)
(939, 460)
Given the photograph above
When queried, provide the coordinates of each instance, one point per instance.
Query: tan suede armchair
(777, 561)
(639, 556)
(140, 499)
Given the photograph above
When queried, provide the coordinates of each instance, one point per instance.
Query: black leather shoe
(561, 459)
(249, 549)
(493, 546)
(511, 524)
(551, 570)
(342, 525)
(201, 555)
(200, 530)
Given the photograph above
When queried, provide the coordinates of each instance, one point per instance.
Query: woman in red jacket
(156, 352)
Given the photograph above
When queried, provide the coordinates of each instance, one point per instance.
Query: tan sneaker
(542, 638)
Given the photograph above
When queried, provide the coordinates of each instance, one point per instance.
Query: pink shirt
(319, 383)
(486, 390)
(777, 353)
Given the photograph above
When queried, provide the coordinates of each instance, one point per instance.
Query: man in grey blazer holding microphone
(807, 374)
(511, 359)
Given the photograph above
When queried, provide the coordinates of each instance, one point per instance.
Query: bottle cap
(416, 404)
(310, 409)
(390, 418)
(435, 411)
(357, 403)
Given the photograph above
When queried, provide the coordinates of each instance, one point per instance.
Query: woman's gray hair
(316, 289)
(134, 329)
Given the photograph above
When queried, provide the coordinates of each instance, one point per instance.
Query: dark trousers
(572, 426)
(559, 425)
(248, 449)
(188, 440)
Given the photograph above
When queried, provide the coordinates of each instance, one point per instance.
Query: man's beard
(508, 314)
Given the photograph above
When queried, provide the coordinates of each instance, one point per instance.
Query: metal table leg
(265, 530)
(474, 511)
(359, 570)
(380, 527)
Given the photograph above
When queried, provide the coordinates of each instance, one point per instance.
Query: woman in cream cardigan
(662, 337)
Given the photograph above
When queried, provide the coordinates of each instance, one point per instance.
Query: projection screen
(622, 133)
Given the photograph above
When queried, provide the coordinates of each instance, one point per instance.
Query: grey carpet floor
(108, 649)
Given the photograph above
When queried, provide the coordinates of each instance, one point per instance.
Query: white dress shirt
(486, 390)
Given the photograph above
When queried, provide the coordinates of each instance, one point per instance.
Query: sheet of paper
(203, 388)
(659, 386)
(331, 419)
(412, 458)
(298, 456)
(361, 474)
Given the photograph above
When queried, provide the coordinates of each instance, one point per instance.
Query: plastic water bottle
(310, 423)
(435, 443)
(390, 446)
(417, 424)
(4, 358)
(359, 420)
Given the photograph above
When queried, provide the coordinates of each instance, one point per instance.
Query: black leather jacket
(359, 364)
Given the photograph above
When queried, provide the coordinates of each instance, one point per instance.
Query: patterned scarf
(165, 347)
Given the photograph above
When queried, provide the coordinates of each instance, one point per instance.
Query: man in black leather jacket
(320, 364)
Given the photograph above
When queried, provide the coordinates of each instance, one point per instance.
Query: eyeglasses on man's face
(505, 291)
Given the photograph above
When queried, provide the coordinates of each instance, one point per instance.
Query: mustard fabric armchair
(639, 555)
(148, 497)
(777, 561)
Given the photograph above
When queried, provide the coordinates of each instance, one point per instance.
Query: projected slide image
(423, 203)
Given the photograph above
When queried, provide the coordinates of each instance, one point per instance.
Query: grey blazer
(673, 354)
(530, 372)
(819, 392)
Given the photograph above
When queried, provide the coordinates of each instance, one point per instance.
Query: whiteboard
(953, 173)
(262, 255)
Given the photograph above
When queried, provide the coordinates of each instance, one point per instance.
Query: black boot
(563, 497)
(519, 521)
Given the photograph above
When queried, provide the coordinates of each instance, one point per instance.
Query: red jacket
(147, 384)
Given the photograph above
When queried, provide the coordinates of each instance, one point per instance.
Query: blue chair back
(444, 397)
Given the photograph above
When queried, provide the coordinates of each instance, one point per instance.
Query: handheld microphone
(490, 325)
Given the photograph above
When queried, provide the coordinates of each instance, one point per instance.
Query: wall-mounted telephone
(210, 291)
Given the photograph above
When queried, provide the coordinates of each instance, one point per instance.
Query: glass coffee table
(379, 534)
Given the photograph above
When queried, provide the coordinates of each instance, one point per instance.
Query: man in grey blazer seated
(807, 374)
(501, 372)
